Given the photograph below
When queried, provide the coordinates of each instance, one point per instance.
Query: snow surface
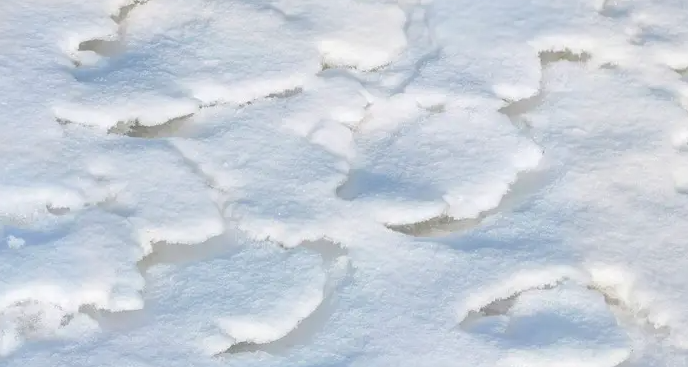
(343, 183)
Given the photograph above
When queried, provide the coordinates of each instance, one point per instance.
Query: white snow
(343, 183)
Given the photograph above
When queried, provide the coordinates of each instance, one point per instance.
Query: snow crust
(343, 183)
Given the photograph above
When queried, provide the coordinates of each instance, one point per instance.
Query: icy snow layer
(343, 183)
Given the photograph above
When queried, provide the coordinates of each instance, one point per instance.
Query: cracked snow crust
(343, 183)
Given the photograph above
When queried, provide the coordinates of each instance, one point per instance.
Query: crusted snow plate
(343, 183)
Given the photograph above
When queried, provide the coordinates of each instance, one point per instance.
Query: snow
(343, 183)
(405, 156)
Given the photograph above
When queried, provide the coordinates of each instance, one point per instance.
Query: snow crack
(177, 126)
(114, 45)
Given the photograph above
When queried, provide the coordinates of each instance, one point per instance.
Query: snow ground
(343, 183)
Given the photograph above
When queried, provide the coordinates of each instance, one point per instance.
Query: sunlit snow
(344, 183)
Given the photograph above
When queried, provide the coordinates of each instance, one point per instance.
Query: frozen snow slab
(250, 295)
(36, 159)
(393, 162)
(256, 292)
(564, 325)
(248, 292)
(281, 159)
(616, 201)
(49, 270)
(417, 158)
(168, 203)
(156, 189)
(175, 120)
(362, 35)
(178, 55)
(60, 168)
(508, 67)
